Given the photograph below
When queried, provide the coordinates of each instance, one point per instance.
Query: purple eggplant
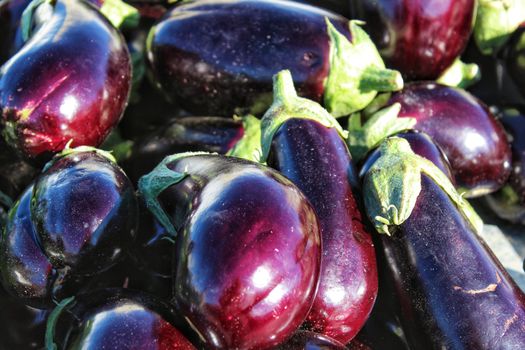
(306, 144)
(304, 340)
(70, 80)
(248, 247)
(473, 140)
(75, 222)
(451, 290)
(420, 38)
(115, 319)
(218, 57)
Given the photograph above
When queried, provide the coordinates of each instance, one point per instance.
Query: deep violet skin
(23, 327)
(188, 134)
(452, 291)
(420, 38)
(317, 160)
(249, 251)
(227, 52)
(305, 340)
(85, 212)
(121, 319)
(25, 271)
(71, 80)
(473, 140)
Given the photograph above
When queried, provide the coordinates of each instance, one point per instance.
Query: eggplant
(452, 292)
(304, 340)
(248, 249)
(420, 38)
(70, 80)
(218, 57)
(115, 319)
(307, 145)
(76, 221)
(473, 140)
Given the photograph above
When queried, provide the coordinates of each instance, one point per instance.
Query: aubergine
(452, 292)
(248, 248)
(218, 57)
(306, 144)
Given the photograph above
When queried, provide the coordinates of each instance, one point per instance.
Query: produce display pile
(261, 174)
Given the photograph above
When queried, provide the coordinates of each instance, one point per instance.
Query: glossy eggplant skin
(121, 319)
(452, 292)
(218, 58)
(305, 340)
(473, 140)
(25, 270)
(85, 212)
(249, 251)
(420, 38)
(515, 127)
(70, 81)
(317, 160)
(188, 134)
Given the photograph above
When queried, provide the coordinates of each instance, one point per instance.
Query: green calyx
(249, 146)
(382, 124)
(393, 183)
(26, 21)
(153, 184)
(496, 20)
(80, 149)
(287, 105)
(52, 321)
(357, 72)
(120, 14)
(460, 74)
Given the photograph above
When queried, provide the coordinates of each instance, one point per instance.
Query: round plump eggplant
(473, 140)
(70, 81)
(117, 319)
(84, 210)
(218, 57)
(304, 340)
(446, 279)
(304, 143)
(420, 38)
(248, 247)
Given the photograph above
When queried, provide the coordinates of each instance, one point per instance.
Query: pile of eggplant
(260, 174)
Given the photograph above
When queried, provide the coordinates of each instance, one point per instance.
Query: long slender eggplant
(115, 319)
(306, 144)
(70, 81)
(452, 291)
(248, 247)
(473, 140)
(421, 38)
(218, 57)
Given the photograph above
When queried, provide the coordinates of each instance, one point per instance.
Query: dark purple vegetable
(420, 38)
(23, 327)
(70, 81)
(451, 290)
(189, 134)
(76, 222)
(304, 143)
(218, 57)
(304, 340)
(464, 128)
(116, 319)
(248, 247)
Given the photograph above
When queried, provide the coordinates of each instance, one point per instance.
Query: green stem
(249, 146)
(283, 87)
(52, 321)
(380, 79)
(120, 14)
